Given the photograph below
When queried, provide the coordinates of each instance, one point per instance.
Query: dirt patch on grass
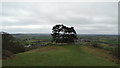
(100, 53)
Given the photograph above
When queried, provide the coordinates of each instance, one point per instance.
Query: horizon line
(50, 33)
(78, 33)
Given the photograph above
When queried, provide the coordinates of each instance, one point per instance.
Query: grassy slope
(100, 53)
(57, 56)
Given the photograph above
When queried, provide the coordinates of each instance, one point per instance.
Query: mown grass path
(67, 55)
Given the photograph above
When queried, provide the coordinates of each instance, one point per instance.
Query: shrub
(10, 45)
(6, 54)
(116, 52)
(94, 44)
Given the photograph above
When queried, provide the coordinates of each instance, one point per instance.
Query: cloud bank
(40, 17)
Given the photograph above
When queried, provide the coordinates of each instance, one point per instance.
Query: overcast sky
(40, 17)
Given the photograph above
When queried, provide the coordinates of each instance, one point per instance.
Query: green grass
(66, 55)
(107, 47)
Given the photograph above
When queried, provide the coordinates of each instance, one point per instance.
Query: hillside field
(65, 55)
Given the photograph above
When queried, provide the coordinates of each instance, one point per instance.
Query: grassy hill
(67, 55)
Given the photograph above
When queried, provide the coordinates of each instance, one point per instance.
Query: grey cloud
(85, 17)
(28, 30)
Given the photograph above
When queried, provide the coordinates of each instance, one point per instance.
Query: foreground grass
(67, 55)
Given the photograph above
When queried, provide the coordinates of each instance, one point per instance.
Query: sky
(40, 17)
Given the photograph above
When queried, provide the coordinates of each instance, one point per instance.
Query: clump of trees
(63, 34)
(10, 46)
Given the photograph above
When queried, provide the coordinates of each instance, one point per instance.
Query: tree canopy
(63, 34)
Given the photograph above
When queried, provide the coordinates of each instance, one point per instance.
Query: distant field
(107, 39)
(107, 42)
(33, 36)
(67, 55)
